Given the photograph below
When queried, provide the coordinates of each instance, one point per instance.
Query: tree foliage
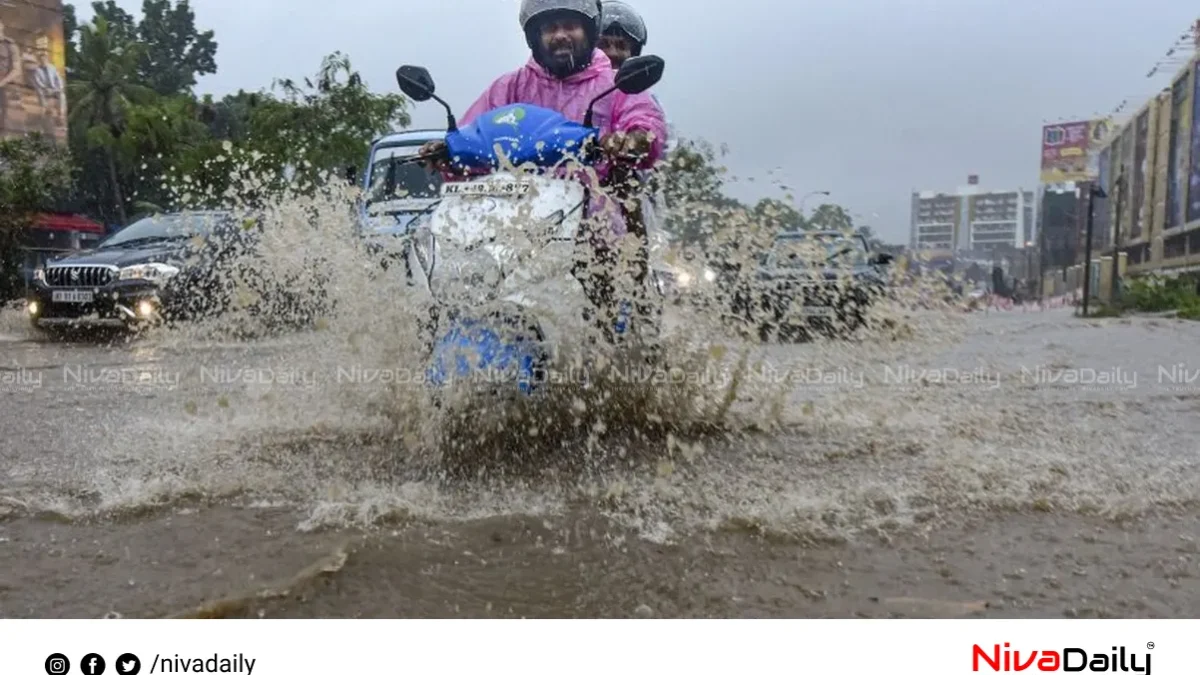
(137, 128)
(692, 182)
(34, 171)
(175, 53)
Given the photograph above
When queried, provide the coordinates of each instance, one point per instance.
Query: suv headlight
(39, 275)
(149, 272)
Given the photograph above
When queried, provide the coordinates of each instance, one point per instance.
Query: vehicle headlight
(40, 274)
(149, 272)
(466, 271)
(684, 279)
(709, 275)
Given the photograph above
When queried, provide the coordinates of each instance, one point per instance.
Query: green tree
(692, 184)
(229, 118)
(325, 125)
(105, 88)
(831, 217)
(122, 25)
(71, 46)
(158, 135)
(34, 173)
(778, 215)
(175, 52)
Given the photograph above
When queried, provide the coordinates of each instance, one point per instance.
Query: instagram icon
(57, 664)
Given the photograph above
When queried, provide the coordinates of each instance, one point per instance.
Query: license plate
(816, 311)
(489, 189)
(72, 296)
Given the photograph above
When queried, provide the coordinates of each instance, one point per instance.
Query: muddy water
(1004, 465)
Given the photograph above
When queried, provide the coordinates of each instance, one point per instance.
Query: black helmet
(618, 16)
(532, 9)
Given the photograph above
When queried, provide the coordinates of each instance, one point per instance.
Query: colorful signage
(1068, 150)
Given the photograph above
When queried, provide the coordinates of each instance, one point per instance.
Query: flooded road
(1004, 465)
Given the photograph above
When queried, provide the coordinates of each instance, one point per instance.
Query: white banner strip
(277, 647)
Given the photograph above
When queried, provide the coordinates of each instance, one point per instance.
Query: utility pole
(1094, 191)
(1115, 272)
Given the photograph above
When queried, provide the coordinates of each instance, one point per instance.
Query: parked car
(169, 267)
(397, 191)
(821, 281)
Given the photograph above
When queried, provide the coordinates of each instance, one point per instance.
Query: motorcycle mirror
(635, 76)
(417, 84)
(639, 73)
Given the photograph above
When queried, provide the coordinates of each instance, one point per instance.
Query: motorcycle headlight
(149, 272)
(475, 271)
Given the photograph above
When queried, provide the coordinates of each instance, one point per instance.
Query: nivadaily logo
(512, 117)
(1069, 660)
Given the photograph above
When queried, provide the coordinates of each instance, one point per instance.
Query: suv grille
(79, 275)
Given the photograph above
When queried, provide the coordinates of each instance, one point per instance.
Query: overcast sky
(869, 99)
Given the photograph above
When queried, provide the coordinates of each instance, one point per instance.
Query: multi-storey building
(972, 219)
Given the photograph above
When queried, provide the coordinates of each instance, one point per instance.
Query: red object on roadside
(67, 222)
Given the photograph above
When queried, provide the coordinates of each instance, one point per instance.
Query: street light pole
(1094, 191)
(1028, 265)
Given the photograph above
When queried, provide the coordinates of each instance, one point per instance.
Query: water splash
(328, 412)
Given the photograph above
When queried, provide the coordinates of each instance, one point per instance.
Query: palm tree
(104, 87)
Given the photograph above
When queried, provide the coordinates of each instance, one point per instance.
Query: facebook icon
(92, 664)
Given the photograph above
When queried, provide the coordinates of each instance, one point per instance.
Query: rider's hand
(433, 155)
(623, 146)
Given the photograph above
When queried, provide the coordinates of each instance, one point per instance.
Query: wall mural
(33, 90)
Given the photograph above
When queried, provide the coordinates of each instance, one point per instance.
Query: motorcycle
(498, 310)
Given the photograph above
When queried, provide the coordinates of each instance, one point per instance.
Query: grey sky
(866, 98)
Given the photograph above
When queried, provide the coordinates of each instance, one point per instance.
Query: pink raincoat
(618, 111)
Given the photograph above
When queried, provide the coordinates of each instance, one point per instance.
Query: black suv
(813, 280)
(167, 267)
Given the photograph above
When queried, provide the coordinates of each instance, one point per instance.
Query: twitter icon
(128, 664)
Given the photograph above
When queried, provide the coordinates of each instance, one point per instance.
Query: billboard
(1068, 150)
(33, 90)
(1193, 204)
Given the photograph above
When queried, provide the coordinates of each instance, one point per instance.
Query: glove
(627, 147)
(434, 156)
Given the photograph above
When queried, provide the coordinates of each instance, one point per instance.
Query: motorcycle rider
(622, 32)
(622, 35)
(565, 72)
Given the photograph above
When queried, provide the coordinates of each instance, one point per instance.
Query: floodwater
(1002, 465)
